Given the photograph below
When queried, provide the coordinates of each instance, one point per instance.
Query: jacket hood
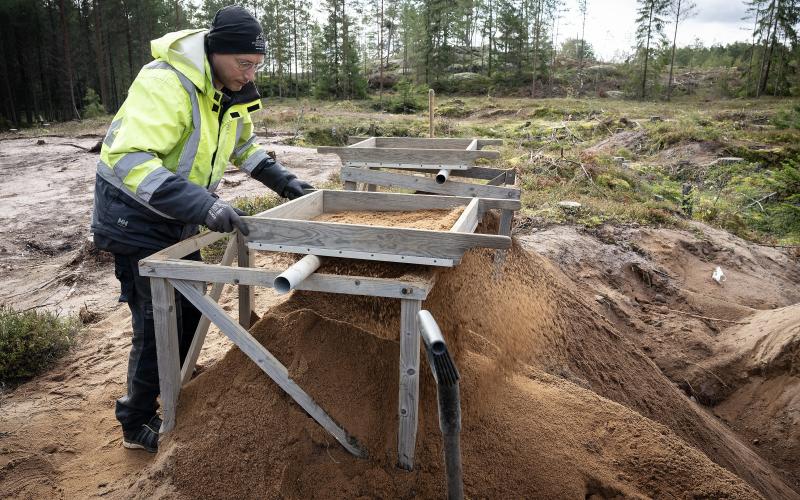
(185, 51)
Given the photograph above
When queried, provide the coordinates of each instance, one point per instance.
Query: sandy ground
(58, 435)
(45, 211)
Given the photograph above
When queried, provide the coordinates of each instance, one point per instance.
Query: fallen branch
(758, 201)
(74, 146)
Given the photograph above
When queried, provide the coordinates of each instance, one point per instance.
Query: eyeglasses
(248, 65)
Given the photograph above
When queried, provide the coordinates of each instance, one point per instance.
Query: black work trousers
(139, 404)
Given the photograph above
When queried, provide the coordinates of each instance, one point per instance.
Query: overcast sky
(610, 24)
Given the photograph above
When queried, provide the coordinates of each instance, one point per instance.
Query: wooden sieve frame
(366, 159)
(288, 228)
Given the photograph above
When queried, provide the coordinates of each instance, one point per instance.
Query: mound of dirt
(634, 141)
(556, 404)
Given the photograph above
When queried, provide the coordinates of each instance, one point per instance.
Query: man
(186, 116)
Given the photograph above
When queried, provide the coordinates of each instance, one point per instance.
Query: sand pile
(555, 404)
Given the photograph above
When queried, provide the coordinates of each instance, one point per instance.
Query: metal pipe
(446, 375)
(431, 334)
(442, 176)
(296, 273)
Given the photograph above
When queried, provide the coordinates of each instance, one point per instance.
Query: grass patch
(544, 138)
(30, 341)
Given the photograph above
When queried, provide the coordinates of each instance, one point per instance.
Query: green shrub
(407, 100)
(788, 118)
(455, 108)
(613, 182)
(327, 136)
(30, 341)
(784, 214)
(92, 108)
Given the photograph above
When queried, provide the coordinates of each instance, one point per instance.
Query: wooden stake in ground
(431, 95)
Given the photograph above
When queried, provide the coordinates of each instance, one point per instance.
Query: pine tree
(583, 8)
(649, 25)
(680, 10)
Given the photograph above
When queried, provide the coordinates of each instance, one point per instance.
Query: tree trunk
(752, 52)
(537, 30)
(112, 73)
(491, 37)
(336, 49)
(47, 95)
(773, 42)
(672, 56)
(294, 47)
(128, 40)
(102, 74)
(781, 59)
(761, 79)
(647, 51)
(348, 83)
(554, 31)
(405, 50)
(582, 50)
(9, 100)
(380, 55)
(389, 43)
(68, 58)
(26, 90)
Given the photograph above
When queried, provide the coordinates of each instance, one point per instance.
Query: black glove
(223, 218)
(272, 174)
(295, 189)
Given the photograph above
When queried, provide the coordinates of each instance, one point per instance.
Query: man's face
(234, 71)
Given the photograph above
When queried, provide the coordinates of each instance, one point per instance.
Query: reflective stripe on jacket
(167, 147)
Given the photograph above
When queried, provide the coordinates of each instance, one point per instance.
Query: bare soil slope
(732, 346)
(556, 404)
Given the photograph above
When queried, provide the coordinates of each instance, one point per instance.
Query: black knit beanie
(235, 31)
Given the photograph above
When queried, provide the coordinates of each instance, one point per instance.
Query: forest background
(71, 59)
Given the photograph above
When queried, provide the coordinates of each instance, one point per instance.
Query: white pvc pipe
(442, 176)
(296, 273)
(431, 334)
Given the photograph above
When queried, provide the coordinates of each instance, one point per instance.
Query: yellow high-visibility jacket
(167, 147)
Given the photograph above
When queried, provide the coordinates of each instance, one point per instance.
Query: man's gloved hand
(294, 189)
(273, 175)
(223, 218)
